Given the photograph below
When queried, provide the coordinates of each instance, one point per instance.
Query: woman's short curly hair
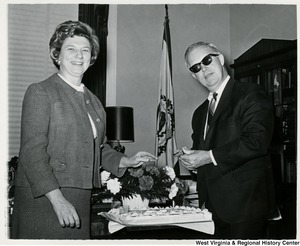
(71, 29)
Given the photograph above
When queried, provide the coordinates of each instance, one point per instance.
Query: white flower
(173, 191)
(114, 186)
(170, 172)
(104, 177)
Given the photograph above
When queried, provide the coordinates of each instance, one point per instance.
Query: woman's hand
(137, 160)
(64, 210)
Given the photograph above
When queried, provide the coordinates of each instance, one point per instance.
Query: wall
(139, 39)
(233, 28)
(250, 23)
(134, 50)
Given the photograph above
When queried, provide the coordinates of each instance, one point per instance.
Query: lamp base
(120, 148)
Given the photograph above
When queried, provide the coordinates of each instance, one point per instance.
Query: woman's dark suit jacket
(240, 187)
(57, 143)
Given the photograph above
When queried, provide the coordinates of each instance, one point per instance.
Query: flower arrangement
(149, 182)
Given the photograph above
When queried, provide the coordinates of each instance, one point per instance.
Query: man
(230, 148)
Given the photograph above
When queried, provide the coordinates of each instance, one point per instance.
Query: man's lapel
(222, 105)
(202, 122)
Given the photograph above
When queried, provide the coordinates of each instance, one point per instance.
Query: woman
(62, 132)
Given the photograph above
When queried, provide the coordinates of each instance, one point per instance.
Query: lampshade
(119, 124)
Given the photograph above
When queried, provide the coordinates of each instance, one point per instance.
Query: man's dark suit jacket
(240, 187)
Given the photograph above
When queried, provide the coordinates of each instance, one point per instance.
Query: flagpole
(167, 14)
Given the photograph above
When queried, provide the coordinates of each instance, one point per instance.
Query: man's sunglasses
(205, 61)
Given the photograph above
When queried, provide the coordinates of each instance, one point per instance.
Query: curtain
(96, 15)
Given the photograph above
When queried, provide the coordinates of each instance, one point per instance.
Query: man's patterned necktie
(211, 109)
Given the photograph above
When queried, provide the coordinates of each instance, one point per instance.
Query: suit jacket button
(63, 166)
(87, 101)
(98, 120)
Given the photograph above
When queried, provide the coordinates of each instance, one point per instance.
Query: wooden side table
(99, 225)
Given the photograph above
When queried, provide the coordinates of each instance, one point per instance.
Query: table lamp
(119, 126)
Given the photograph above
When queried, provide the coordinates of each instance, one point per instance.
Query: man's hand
(192, 159)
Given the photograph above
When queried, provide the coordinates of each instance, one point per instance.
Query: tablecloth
(206, 227)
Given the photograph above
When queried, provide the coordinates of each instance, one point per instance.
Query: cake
(159, 216)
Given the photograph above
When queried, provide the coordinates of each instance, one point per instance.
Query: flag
(165, 143)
